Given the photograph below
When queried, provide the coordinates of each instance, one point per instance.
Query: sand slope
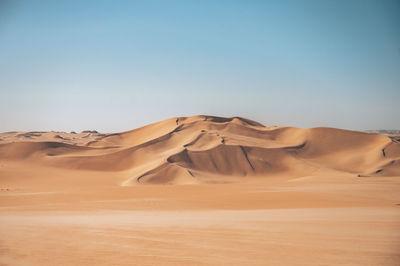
(209, 149)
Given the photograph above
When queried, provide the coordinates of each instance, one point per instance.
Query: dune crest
(190, 150)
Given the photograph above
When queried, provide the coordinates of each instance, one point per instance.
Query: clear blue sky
(116, 65)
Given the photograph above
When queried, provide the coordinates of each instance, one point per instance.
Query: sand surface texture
(200, 190)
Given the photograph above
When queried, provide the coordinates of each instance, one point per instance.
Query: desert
(175, 133)
(201, 190)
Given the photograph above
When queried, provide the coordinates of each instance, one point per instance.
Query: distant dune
(385, 131)
(208, 149)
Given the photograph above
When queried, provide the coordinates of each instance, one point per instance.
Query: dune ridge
(208, 149)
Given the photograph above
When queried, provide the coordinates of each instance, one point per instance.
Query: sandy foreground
(212, 192)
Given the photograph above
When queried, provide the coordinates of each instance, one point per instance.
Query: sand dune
(200, 190)
(209, 149)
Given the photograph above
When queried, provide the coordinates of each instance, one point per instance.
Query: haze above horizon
(118, 65)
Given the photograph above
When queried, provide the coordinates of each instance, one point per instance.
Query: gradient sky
(117, 65)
